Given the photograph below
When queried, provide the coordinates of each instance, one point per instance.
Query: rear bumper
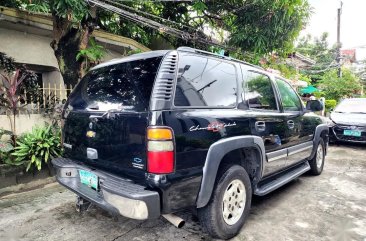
(115, 194)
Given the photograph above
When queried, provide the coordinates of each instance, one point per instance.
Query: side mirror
(314, 105)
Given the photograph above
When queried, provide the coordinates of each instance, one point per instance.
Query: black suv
(158, 132)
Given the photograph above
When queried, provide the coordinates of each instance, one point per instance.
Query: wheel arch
(218, 154)
(321, 131)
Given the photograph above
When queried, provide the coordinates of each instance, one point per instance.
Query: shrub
(330, 105)
(337, 88)
(319, 94)
(38, 146)
(5, 152)
(5, 147)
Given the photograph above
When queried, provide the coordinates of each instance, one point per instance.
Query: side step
(282, 179)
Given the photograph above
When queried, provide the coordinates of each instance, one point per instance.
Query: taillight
(160, 150)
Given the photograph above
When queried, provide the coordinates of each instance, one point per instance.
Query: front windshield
(352, 106)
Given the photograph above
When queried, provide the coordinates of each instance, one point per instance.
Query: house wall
(24, 123)
(33, 50)
(28, 48)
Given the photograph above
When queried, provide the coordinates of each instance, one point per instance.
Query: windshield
(352, 106)
(123, 86)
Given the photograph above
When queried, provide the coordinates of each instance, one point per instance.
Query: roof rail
(189, 49)
(193, 50)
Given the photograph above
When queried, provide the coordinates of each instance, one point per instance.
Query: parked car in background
(348, 121)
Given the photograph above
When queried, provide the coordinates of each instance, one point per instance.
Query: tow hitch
(82, 204)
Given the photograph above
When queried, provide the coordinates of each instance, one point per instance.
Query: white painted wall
(27, 48)
(24, 123)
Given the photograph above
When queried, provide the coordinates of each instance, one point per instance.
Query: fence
(44, 100)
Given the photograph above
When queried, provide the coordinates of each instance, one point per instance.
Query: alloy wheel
(233, 202)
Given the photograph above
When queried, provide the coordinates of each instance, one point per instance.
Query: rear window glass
(124, 86)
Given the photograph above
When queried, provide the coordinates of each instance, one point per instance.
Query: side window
(258, 91)
(289, 98)
(205, 82)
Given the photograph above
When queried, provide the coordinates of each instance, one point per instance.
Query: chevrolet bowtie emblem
(90, 134)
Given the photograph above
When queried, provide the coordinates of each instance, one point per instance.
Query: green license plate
(352, 133)
(89, 179)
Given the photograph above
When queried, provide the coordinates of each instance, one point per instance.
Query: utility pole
(339, 11)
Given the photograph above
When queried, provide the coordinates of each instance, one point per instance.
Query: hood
(348, 118)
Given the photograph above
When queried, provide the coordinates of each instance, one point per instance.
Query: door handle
(260, 126)
(291, 124)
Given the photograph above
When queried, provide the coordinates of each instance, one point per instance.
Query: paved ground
(328, 207)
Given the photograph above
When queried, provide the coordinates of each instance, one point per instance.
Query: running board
(282, 179)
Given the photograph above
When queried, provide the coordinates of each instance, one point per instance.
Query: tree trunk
(67, 42)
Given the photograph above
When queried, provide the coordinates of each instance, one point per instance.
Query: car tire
(229, 205)
(317, 163)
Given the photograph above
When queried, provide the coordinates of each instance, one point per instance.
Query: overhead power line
(116, 2)
(195, 37)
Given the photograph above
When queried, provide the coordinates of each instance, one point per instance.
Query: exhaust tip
(181, 224)
(175, 220)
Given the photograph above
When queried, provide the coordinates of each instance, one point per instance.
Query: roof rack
(193, 50)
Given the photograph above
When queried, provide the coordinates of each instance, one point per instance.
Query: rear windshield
(123, 86)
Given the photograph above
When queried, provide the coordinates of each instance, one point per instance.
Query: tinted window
(258, 91)
(205, 82)
(290, 100)
(124, 86)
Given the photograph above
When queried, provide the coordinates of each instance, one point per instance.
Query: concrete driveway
(328, 207)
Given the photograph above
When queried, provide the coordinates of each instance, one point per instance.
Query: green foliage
(134, 51)
(5, 146)
(263, 26)
(6, 63)
(38, 147)
(36, 6)
(93, 54)
(199, 6)
(317, 49)
(259, 26)
(73, 10)
(305, 78)
(319, 94)
(336, 88)
(330, 105)
(5, 152)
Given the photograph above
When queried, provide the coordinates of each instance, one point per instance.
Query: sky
(353, 21)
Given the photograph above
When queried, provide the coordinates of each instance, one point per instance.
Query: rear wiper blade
(110, 114)
(106, 115)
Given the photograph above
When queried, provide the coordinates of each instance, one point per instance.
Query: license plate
(89, 179)
(352, 133)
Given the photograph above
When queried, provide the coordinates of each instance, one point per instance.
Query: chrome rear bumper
(115, 194)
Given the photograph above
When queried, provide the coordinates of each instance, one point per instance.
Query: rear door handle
(260, 126)
(291, 124)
